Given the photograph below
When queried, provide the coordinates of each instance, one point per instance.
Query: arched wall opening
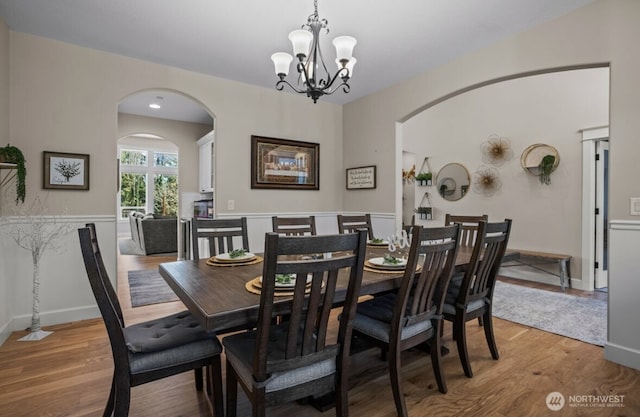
(548, 106)
(168, 138)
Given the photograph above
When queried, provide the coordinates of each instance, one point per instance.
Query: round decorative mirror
(453, 181)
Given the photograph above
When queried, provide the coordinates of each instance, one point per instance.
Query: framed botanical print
(65, 171)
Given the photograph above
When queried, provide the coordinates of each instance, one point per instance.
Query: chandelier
(314, 79)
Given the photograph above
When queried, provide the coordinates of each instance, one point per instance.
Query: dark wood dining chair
(467, 237)
(294, 226)
(412, 315)
(472, 297)
(152, 350)
(219, 235)
(279, 362)
(469, 226)
(351, 223)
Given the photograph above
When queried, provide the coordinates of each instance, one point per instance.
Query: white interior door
(602, 214)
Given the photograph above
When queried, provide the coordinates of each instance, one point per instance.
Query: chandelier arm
(345, 87)
(343, 73)
(280, 86)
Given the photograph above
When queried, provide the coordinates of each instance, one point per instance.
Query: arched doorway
(531, 116)
(158, 155)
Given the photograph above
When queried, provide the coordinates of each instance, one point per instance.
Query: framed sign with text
(361, 178)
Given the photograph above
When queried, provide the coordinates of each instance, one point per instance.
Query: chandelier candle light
(314, 79)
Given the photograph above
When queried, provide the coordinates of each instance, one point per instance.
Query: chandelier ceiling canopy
(314, 79)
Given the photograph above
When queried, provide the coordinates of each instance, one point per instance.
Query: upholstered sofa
(154, 234)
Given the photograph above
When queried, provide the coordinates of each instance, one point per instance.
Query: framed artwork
(65, 171)
(361, 178)
(284, 164)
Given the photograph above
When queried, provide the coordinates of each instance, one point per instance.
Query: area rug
(579, 318)
(148, 287)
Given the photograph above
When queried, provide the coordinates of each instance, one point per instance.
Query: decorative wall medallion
(486, 181)
(496, 150)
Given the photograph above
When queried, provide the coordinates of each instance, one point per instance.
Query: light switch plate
(231, 205)
(635, 206)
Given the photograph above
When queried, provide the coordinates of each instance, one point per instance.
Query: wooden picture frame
(361, 178)
(65, 171)
(284, 164)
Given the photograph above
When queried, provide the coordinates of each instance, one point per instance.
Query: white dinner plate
(379, 262)
(383, 243)
(224, 257)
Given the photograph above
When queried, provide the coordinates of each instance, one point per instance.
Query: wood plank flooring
(69, 372)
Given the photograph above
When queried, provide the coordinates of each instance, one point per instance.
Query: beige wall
(548, 108)
(65, 98)
(4, 84)
(604, 31)
(5, 292)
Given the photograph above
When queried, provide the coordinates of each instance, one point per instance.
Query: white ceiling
(235, 39)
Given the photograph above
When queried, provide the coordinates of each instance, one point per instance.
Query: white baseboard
(50, 318)
(5, 332)
(622, 355)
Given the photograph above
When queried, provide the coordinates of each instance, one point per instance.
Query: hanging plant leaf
(545, 167)
(14, 155)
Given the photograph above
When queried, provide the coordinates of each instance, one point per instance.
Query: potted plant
(545, 168)
(424, 178)
(11, 154)
(425, 213)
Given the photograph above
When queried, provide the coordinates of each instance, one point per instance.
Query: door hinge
(597, 157)
(597, 211)
(595, 265)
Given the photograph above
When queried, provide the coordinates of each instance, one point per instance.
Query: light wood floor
(69, 372)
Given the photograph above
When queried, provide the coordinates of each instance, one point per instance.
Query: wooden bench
(535, 258)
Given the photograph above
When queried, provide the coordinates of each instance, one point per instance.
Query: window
(145, 187)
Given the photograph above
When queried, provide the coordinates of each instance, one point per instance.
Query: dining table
(222, 299)
(217, 294)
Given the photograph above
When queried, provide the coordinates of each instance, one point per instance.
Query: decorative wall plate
(532, 156)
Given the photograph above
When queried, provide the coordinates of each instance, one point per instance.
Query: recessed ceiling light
(155, 105)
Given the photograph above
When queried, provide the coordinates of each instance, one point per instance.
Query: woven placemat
(254, 287)
(212, 262)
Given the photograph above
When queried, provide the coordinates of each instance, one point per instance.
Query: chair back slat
(352, 223)
(313, 295)
(480, 277)
(469, 226)
(294, 226)
(421, 295)
(219, 235)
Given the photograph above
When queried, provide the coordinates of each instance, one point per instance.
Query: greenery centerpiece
(13, 155)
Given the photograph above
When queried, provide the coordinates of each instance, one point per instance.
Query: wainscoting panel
(65, 294)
